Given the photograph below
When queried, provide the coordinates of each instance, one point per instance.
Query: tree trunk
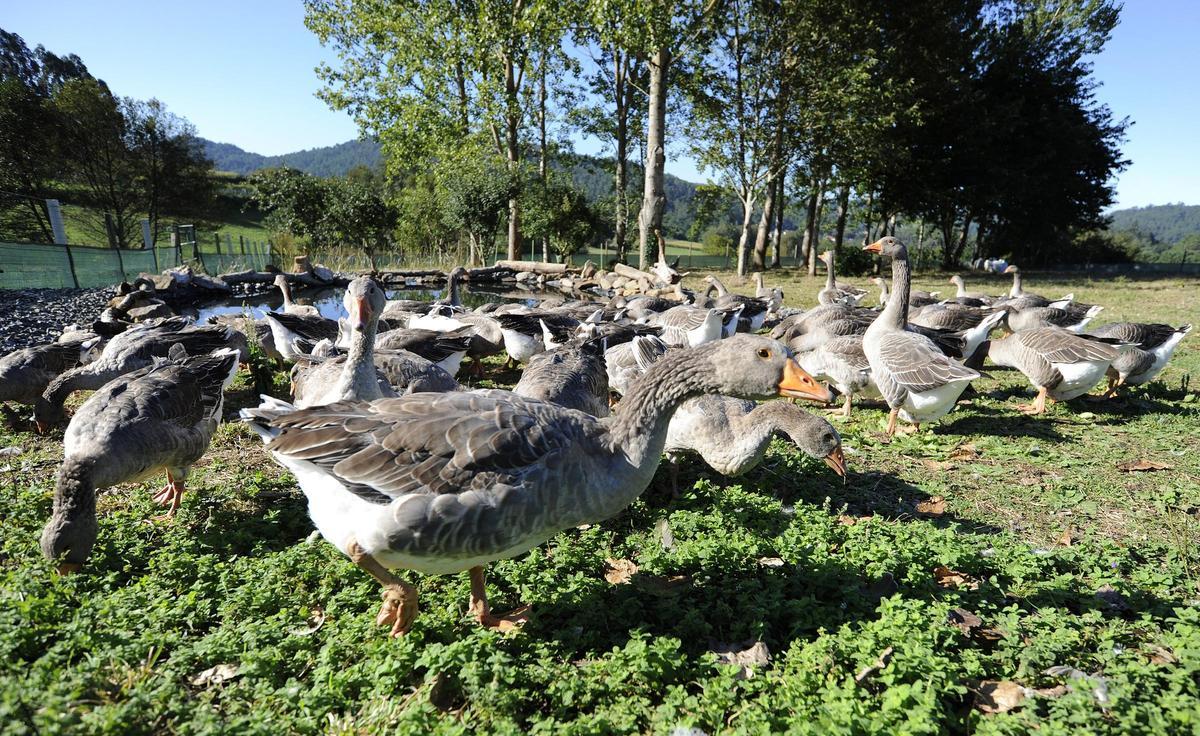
(843, 209)
(946, 226)
(962, 239)
(654, 198)
(512, 124)
(780, 203)
(804, 244)
(744, 237)
(764, 228)
(542, 144)
(623, 94)
(815, 245)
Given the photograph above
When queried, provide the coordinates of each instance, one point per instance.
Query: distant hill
(1162, 223)
(325, 161)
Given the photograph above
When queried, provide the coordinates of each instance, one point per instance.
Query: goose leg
(482, 612)
(891, 425)
(399, 598)
(846, 407)
(171, 495)
(1038, 406)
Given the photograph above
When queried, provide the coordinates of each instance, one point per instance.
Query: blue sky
(242, 72)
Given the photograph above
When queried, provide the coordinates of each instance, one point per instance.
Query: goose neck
(358, 377)
(895, 314)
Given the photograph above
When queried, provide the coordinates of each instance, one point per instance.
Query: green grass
(1066, 561)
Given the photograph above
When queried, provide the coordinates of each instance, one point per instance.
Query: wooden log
(413, 274)
(632, 273)
(268, 277)
(535, 267)
(300, 264)
(491, 273)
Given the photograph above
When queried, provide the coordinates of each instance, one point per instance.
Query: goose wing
(1147, 336)
(915, 365)
(433, 444)
(1060, 346)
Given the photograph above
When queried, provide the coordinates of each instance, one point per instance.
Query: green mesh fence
(38, 266)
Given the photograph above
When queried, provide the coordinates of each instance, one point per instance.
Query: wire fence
(41, 266)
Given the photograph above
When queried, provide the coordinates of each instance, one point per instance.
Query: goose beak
(837, 461)
(67, 568)
(797, 384)
(361, 310)
(876, 247)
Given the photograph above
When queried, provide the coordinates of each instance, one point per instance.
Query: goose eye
(764, 353)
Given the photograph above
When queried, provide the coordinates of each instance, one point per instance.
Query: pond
(329, 300)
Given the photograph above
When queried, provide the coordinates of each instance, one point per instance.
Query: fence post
(176, 244)
(217, 238)
(147, 237)
(54, 211)
(110, 230)
(71, 263)
(242, 244)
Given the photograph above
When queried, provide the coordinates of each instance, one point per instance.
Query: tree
(560, 213)
(478, 189)
(423, 76)
(357, 214)
(173, 172)
(294, 201)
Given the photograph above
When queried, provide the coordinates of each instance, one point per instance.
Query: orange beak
(797, 384)
(876, 247)
(837, 461)
(361, 310)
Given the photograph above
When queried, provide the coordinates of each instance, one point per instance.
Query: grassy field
(999, 574)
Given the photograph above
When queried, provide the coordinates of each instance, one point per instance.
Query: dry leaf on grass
(1138, 466)
(1065, 539)
(998, 696)
(747, 655)
(934, 506)
(619, 572)
(948, 578)
(936, 465)
(964, 620)
(1161, 655)
(770, 561)
(215, 675)
(665, 537)
(316, 619)
(880, 662)
(964, 452)
(846, 520)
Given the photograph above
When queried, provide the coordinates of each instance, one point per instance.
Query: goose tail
(261, 417)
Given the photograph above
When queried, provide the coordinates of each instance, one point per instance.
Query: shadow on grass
(991, 422)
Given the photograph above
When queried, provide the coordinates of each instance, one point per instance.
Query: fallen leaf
(665, 537)
(316, 620)
(948, 578)
(662, 585)
(619, 572)
(964, 620)
(1029, 480)
(988, 634)
(880, 662)
(998, 696)
(1064, 539)
(936, 465)
(846, 520)
(1162, 655)
(964, 452)
(747, 655)
(935, 506)
(1137, 466)
(215, 675)
(770, 561)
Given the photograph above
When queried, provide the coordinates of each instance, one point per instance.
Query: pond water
(329, 301)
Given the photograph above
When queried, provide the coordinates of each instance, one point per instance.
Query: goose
(571, 376)
(1036, 317)
(916, 298)
(447, 349)
(523, 332)
(295, 334)
(688, 326)
(441, 483)
(1151, 346)
(356, 376)
(754, 309)
(25, 373)
(161, 417)
(289, 306)
(625, 362)
(834, 293)
(919, 383)
(731, 435)
(843, 363)
(973, 324)
(969, 298)
(129, 351)
(1060, 364)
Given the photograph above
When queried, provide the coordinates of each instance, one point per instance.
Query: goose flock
(405, 468)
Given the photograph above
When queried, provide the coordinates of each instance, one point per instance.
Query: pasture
(994, 574)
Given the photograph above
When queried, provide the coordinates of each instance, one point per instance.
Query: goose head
(70, 534)
(46, 415)
(889, 246)
(364, 301)
(756, 367)
(1011, 269)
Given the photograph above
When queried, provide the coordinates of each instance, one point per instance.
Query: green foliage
(561, 213)
(836, 580)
